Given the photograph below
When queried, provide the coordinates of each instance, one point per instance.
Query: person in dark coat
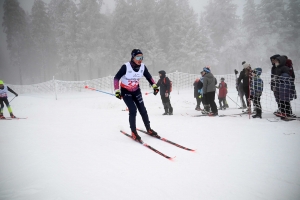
(165, 85)
(273, 76)
(244, 75)
(198, 86)
(283, 88)
(209, 90)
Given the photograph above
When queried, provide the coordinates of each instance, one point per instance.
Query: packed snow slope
(72, 149)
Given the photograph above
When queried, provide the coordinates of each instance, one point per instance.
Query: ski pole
(148, 93)
(233, 101)
(12, 99)
(87, 87)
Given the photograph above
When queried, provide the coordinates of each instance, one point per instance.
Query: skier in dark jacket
(129, 75)
(245, 76)
(3, 99)
(165, 86)
(209, 90)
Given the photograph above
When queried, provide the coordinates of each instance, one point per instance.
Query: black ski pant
(4, 100)
(257, 104)
(285, 107)
(210, 100)
(166, 103)
(247, 94)
(134, 102)
(224, 102)
(198, 100)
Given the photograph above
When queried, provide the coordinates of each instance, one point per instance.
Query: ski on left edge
(17, 118)
(148, 146)
(168, 141)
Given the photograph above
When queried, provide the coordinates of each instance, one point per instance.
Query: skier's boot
(1, 116)
(153, 133)
(135, 136)
(12, 115)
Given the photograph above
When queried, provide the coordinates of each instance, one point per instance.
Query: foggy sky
(197, 5)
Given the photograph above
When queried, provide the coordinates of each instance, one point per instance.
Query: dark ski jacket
(164, 84)
(244, 75)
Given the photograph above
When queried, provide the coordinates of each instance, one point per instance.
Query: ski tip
(193, 150)
(172, 159)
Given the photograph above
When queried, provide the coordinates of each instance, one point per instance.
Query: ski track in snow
(72, 148)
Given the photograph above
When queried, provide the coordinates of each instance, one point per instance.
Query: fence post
(54, 88)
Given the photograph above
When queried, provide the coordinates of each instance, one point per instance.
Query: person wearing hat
(209, 90)
(222, 93)
(245, 76)
(3, 99)
(165, 88)
(128, 78)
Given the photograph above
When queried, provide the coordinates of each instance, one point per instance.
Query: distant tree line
(77, 41)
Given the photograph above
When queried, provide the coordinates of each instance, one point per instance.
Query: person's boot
(1, 116)
(258, 113)
(197, 108)
(166, 109)
(135, 136)
(12, 115)
(170, 108)
(153, 133)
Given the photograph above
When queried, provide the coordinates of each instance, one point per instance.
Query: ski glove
(118, 94)
(155, 89)
(200, 96)
(166, 94)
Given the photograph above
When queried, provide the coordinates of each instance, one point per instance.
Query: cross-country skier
(165, 88)
(3, 99)
(129, 75)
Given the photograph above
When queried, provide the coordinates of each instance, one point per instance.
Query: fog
(82, 40)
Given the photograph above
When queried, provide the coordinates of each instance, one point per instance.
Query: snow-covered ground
(71, 149)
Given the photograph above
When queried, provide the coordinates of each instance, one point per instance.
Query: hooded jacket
(209, 83)
(164, 83)
(257, 84)
(284, 82)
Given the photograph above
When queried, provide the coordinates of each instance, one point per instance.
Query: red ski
(148, 146)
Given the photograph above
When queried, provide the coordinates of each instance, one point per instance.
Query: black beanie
(135, 52)
(243, 62)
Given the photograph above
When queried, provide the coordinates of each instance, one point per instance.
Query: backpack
(171, 84)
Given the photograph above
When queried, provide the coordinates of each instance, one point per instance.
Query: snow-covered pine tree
(17, 35)
(64, 24)
(293, 31)
(44, 41)
(89, 34)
